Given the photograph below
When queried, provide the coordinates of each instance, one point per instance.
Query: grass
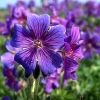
(2, 15)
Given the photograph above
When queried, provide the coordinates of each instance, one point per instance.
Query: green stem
(30, 87)
(24, 94)
(13, 97)
(37, 81)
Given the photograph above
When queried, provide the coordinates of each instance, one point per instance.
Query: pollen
(38, 43)
(70, 52)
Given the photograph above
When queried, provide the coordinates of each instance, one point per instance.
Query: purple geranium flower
(31, 4)
(91, 8)
(7, 58)
(20, 13)
(38, 44)
(73, 45)
(21, 3)
(11, 80)
(73, 52)
(51, 82)
(70, 67)
(10, 7)
(90, 44)
(55, 20)
(9, 71)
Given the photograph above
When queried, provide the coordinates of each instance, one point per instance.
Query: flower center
(71, 54)
(89, 45)
(38, 43)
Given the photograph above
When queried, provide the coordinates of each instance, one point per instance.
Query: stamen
(38, 43)
(70, 54)
(89, 45)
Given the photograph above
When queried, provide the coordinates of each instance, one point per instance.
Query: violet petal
(27, 58)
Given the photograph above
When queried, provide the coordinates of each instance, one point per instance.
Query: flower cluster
(72, 12)
(17, 15)
(46, 46)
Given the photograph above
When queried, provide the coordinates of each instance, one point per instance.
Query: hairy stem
(37, 81)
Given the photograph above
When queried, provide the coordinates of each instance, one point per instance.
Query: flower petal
(7, 72)
(95, 38)
(16, 86)
(10, 48)
(55, 37)
(7, 60)
(67, 47)
(27, 58)
(75, 35)
(43, 81)
(55, 84)
(87, 54)
(21, 37)
(48, 60)
(38, 25)
(15, 71)
(67, 39)
(65, 82)
(85, 37)
(48, 87)
(70, 66)
(6, 98)
(96, 49)
(73, 76)
(77, 53)
(9, 83)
